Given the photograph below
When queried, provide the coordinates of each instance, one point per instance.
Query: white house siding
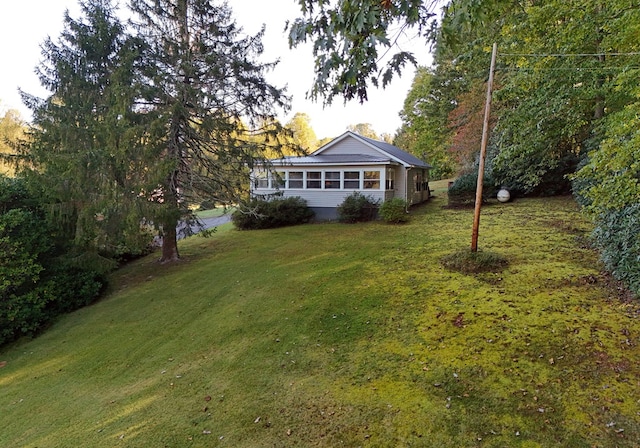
(401, 183)
(415, 196)
(330, 199)
(350, 146)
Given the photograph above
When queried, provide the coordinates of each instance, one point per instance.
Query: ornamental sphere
(504, 195)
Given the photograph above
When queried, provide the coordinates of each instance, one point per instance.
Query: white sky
(24, 25)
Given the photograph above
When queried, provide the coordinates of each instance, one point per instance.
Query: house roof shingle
(396, 152)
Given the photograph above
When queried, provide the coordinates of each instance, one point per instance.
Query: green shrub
(581, 184)
(272, 213)
(37, 282)
(463, 191)
(73, 287)
(358, 208)
(468, 262)
(617, 236)
(26, 310)
(394, 211)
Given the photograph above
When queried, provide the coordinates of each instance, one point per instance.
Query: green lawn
(329, 335)
(214, 212)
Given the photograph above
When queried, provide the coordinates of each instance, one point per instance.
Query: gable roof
(386, 149)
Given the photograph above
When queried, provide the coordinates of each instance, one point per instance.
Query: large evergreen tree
(85, 149)
(207, 100)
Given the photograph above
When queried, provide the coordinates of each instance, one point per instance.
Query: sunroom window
(296, 179)
(372, 180)
(351, 180)
(261, 180)
(390, 180)
(279, 180)
(332, 179)
(314, 179)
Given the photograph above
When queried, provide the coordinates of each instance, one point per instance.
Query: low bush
(272, 213)
(468, 262)
(358, 208)
(463, 191)
(617, 236)
(394, 211)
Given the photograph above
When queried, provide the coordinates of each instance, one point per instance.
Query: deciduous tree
(303, 134)
(12, 130)
(364, 129)
(351, 40)
(561, 63)
(425, 130)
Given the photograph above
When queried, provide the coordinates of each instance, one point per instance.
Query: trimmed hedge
(269, 214)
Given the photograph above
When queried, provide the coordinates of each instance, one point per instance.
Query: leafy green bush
(581, 184)
(358, 208)
(463, 191)
(37, 281)
(607, 187)
(468, 262)
(394, 211)
(269, 214)
(617, 236)
(73, 287)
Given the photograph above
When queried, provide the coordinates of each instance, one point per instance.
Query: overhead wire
(584, 69)
(568, 55)
(543, 55)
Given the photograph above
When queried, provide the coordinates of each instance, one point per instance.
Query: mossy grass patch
(467, 261)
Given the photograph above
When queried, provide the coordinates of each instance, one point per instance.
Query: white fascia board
(364, 142)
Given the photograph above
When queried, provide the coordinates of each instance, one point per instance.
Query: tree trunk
(169, 243)
(171, 219)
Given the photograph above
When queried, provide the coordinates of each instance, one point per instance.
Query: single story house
(348, 163)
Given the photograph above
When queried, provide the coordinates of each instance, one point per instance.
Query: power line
(584, 69)
(558, 55)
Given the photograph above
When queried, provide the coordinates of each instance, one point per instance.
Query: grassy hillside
(343, 335)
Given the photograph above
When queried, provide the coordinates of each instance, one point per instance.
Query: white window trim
(272, 179)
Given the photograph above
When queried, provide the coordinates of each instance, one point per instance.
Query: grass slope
(343, 335)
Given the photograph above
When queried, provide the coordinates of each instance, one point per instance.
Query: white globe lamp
(503, 195)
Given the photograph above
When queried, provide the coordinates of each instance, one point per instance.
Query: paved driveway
(208, 224)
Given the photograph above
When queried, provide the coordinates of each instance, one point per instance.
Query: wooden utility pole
(483, 152)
